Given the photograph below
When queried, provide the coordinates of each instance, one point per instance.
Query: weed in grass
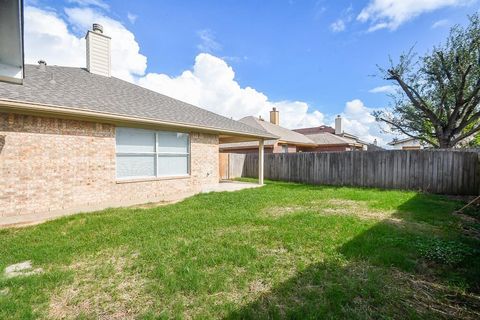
(444, 251)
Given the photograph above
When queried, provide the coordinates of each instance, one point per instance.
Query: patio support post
(260, 162)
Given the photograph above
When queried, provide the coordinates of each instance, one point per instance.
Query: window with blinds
(148, 154)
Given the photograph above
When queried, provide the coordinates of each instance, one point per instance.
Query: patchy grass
(281, 251)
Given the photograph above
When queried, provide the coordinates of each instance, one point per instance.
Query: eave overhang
(11, 41)
(119, 119)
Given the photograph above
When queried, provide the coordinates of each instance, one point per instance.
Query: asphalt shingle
(77, 88)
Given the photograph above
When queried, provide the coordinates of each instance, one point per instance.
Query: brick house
(287, 141)
(333, 139)
(78, 139)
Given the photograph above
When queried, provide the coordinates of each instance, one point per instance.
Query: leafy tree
(438, 95)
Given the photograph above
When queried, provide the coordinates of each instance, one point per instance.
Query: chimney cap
(274, 108)
(42, 64)
(97, 27)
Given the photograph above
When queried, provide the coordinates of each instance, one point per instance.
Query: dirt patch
(331, 207)
(428, 296)
(282, 211)
(4, 291)
(258, 287)
(104, 287)
(469, 225)
(151, 205)
(356, 208)
(243, 229)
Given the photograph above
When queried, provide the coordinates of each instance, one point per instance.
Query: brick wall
(58, 165)
(278, 148)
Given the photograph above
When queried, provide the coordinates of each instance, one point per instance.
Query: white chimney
(98, 51)
(338, 125)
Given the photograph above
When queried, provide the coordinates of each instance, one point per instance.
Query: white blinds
(147, 153)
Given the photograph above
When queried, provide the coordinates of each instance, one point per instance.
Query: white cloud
(127, 61)
(338, 26)
(390, 89)
(390, 14)
(341, 23)
(47, 37)
(132, 17)
(440, 23)
(210, 83)
(208, 43)
(358, 120)
(94, 3)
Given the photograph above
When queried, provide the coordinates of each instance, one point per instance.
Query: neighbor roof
(327, 138)
(77, 89)
(283, 134)
(398, 141)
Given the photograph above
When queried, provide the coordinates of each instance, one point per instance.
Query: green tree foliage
(438, 96)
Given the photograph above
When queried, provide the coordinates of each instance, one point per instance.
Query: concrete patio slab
(229, 186)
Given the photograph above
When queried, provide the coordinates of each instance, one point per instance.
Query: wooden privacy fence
(436, 171)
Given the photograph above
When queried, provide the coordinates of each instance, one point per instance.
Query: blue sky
(320, 53)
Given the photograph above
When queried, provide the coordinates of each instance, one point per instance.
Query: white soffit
(11, 41)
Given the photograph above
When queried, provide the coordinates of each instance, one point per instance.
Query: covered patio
(261, 154)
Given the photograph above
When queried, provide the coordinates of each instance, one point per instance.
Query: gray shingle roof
(282, 133)
(77, 88)
(330, 139)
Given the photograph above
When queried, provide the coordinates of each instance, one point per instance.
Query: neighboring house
(374, 146)
(78, 139)
(332, 139)
(407, 144)
(288, 141)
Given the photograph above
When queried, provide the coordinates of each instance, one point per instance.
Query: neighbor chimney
(98, 51)
(338, 125)
(275, 116)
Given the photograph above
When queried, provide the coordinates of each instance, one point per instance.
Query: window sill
(121, 181)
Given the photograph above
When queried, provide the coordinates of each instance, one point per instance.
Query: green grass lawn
(281, 251)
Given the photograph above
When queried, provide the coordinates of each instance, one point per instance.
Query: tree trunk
(445, 143)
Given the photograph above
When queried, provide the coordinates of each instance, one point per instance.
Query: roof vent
(97, 27)
(42, 65)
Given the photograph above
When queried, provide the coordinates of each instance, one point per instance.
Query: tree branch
(466, 135)
(407, 133)
(411, 93)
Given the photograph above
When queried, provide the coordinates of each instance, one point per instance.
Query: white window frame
(156, 154)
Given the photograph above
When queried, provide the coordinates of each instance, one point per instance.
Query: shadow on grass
(412, 265)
